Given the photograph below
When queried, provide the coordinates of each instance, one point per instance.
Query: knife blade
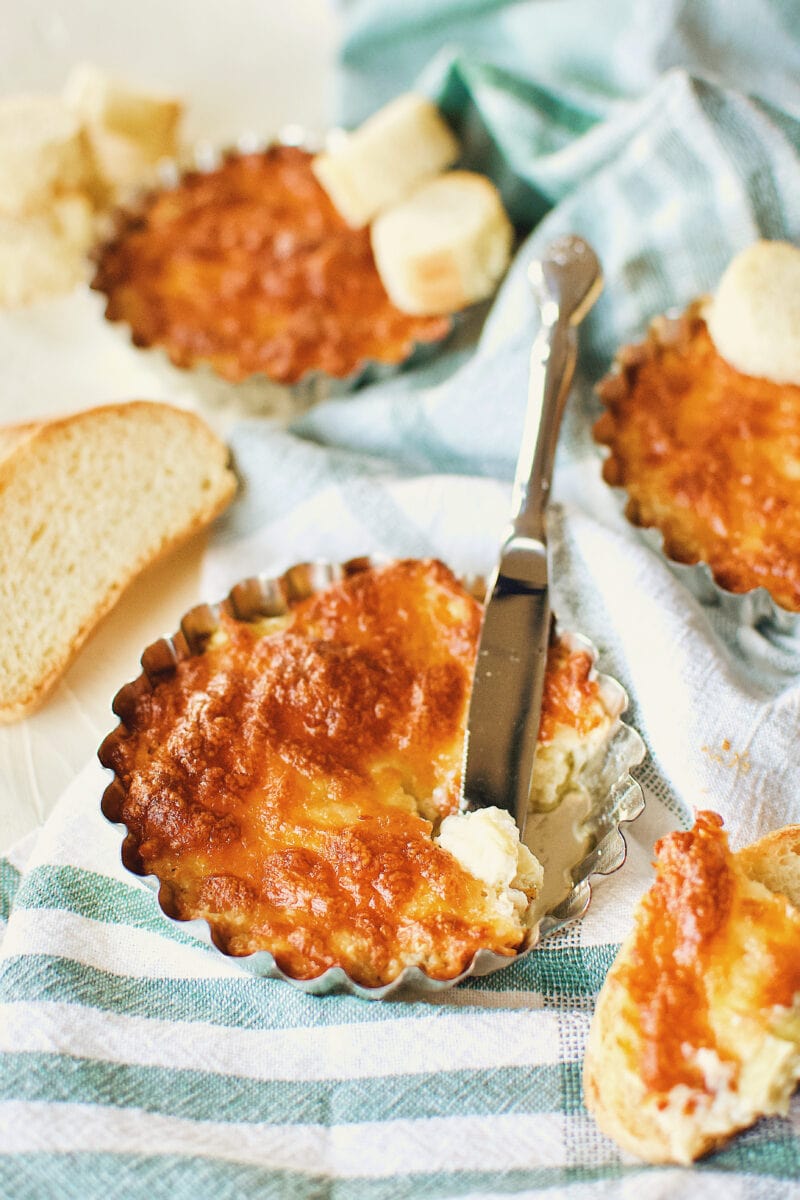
(505, 704)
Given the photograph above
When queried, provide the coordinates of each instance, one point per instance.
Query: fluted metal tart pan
(573, 843)
(755, 607)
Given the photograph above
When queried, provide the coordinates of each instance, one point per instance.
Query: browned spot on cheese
(570, 695)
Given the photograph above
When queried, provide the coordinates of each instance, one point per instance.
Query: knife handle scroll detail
(505, 705)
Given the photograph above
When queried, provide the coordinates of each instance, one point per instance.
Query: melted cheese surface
(286, 783)
(709, 456)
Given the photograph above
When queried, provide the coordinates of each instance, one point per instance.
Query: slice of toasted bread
(696, 1033)
(444, 247)
(86, 502)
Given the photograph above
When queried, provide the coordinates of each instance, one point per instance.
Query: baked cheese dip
(702, 423)
(296, 783)
(251, 270)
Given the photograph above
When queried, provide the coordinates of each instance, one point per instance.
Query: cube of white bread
(444, 247)
(45, 253)
(381, 162)
(44, 151)
(754, 316)
(130, 130)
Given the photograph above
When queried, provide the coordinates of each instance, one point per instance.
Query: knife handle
(552, 368)
(565, 282)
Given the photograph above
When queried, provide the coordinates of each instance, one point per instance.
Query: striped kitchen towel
(135, 1061)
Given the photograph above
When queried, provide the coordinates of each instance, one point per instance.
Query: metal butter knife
(505, 706)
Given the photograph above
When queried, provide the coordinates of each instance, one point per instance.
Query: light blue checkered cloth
(136, 1062)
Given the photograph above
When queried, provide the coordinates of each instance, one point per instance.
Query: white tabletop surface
(245, 66)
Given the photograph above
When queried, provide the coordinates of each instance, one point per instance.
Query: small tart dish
(709, 458)
(246, 266)
(287, 769)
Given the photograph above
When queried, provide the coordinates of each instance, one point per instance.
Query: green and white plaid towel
(137, 1063)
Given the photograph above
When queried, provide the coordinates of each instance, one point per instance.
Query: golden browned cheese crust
(571, 696)
(709, 456)
(251, 269)
(274, 783)
(697, 1018)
